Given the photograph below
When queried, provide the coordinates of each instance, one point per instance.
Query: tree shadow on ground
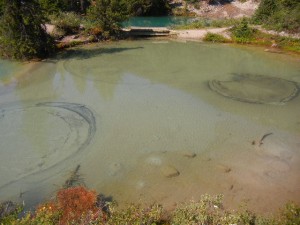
(219, 2)
(86, 53)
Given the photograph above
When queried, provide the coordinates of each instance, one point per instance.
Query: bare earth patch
(235, 9)
(200, 33)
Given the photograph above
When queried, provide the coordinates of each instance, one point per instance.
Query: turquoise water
(126, 111)
(166, 21)
(6, 68)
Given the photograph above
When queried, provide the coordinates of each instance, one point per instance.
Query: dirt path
(200, 33)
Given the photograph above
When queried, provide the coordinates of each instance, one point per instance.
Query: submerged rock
(256, 89)
(224, 168)
(189, 154)
(169, 171)
(273, 50)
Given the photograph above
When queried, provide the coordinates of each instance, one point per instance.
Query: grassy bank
(243, 33)
(68, 24)
(77, 205)
(202, 23)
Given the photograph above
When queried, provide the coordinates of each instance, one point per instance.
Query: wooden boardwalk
(147, 31)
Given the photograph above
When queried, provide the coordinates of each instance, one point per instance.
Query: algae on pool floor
(256, 89)
(151, 103)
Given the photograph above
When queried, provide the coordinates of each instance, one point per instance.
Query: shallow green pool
(127, 112)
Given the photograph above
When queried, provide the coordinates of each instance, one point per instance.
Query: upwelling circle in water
(256, 89)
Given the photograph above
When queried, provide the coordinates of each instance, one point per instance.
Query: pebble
(170, 171)
(189, 154)
(154, 161)
(224, 168)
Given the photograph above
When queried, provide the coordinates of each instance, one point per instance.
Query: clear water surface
(128, 111)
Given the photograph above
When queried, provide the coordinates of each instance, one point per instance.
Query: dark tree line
(22, 22)
(22, 33)
(279, 14)
(149, 7)
(53, 6)
(135, 7)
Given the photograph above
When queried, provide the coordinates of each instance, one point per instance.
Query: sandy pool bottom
(150, 127)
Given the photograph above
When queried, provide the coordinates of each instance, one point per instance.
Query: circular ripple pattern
(36, 138)
(256, 89)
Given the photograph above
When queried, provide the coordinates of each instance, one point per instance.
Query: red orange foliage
(76, 202)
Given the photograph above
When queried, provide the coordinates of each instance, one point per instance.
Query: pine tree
(22, 31)
(149, 7)
(1, 7)
(108, 14)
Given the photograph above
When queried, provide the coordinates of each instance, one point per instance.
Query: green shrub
(290, 214)
(135, 214)
(9, 212)
(242, 33)
(203, 23)
(279, 15)
(46, 214)
(107, 15)
(91, 28)
(51, 6)
(265, 10)
(68, 22)
(78, 205)
(211, 37)
(205, 211)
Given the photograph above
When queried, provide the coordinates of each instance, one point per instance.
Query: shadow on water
(103, 201)
(86, 53)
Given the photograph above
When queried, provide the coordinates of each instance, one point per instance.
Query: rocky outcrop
(218, 9)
